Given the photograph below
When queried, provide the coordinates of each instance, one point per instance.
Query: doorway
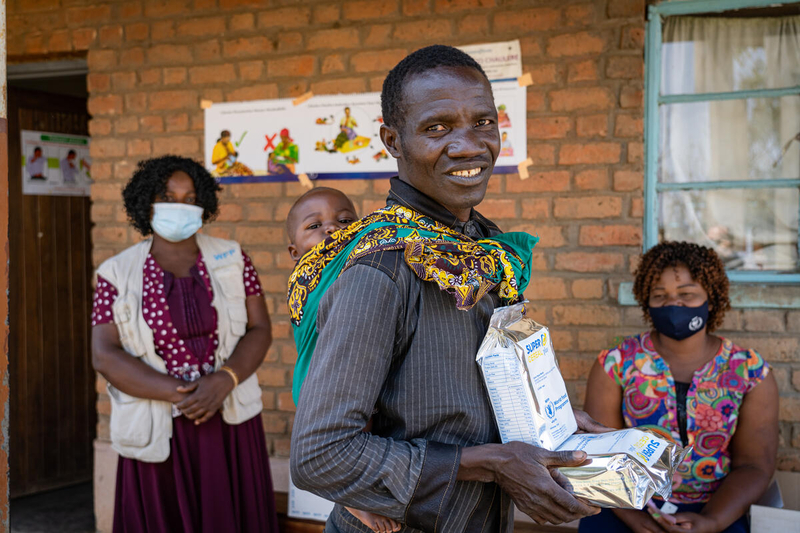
(52, 404)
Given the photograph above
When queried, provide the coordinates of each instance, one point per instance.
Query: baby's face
(319, 216)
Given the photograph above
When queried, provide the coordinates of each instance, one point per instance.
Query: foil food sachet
(626, 467)
(527, 392)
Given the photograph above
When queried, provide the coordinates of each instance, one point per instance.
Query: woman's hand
(683, 522)
(639, 521)
(205, 396)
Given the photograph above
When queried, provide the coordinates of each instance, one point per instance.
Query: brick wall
(152, 61)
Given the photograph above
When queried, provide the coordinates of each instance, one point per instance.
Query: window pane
(749, 229)
(730, 140)
(716, 54)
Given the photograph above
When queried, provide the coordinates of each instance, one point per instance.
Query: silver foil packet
(527, 392)
(627, 467)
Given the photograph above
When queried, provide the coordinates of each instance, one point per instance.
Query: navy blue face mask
(678, 322)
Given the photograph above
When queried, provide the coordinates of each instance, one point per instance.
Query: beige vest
(141, 428)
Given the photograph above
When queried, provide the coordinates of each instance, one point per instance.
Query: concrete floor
(63, 510)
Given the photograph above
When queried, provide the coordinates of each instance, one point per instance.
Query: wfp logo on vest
(646, 447)
(223, 255)
(696, 323)
(549, 410)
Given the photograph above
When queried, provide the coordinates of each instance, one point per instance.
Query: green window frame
(654, 99)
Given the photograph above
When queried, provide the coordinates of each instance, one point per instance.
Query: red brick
(789, 410)
(162, 100)
(581, 99)
(527, 20)
(247, 46)
(549, 127)
(34, 44)
(110, 36)
(137, 32)
(123, 81)
(242, 22)
(123, 125)
(295, 66)
(102, 60)
(764, 320)
(378, 35)
(151, 124)
(582, 71)
(546, 288)
(167, 54)
(288, 41)
(89, 14)
(579, 15)
(589, 315)
(174, 75)
(260, 235)
(285, 17)
(130, 10)
(415, 7)
(333, 39)
(553, 181)
(270, 376)
(165, 8)
(628, 126)
(136, 102)
(589, 153)
(98, 83)
(626, 67)
(197, 27)
(592, 180)
(333, 64)
(535, 100)
(472, 25)
(207, 51)
(60, 41)
(575, 44)
(637, 208)
(498, 208)
(132, 57)
(138, 147)
(542, 154)
(632, 38)
(587, 207)
(346, 85)
(99, 127)
(631, 98)
(422, 30)
(210, 74)
(592, 126)
(793, 321)
(544, 74)
(162, 30)
(235, 4)
(587, 289)
(105, 105)
(453, 6)
(635, 152)
(535, 208)
(184, 145)
(531, 47)
(368, 9)
(796, 380)
(264, 91)
(628, 180)
(273, 423)
(549, 236)
(83, 38)
(177, 123)
(612, 235)
(589, 262)
(625, 8)
(251, 70)
(101, 148)
(325, 14)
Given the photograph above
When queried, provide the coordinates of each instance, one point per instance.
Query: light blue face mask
(176, 222)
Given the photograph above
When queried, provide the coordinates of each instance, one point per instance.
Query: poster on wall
(500, 61)
(55, 164)
(308, 506)
(328, 137)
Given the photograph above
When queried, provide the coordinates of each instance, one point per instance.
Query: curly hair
(422, 60)
(150, 180)
(704, 265)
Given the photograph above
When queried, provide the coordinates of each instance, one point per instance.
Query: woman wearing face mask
(179, 328)
(693, 387)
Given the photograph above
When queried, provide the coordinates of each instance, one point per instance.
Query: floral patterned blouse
(712, 405)
(179, 312)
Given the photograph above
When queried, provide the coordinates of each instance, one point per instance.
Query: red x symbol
(269, 142)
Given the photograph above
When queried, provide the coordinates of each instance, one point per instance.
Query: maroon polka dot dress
(217, 477)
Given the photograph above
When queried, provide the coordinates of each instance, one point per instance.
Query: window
(722, 132)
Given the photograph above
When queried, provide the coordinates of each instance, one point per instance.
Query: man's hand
(638, 521)
(524, 472)
(587, 424)
(205, 396)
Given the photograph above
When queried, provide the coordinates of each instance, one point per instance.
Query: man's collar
(402, 193)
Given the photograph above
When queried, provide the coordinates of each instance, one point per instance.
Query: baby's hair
(291, 218)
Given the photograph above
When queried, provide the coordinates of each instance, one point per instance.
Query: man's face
(37, 153)
(70, 157)
(449, 142)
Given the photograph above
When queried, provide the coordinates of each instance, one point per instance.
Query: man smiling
(394, 336)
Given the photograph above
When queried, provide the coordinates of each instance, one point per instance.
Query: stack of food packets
(627, 467)
(531, 405)
(526, 389)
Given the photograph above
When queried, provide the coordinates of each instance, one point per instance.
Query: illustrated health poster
(55, 164)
